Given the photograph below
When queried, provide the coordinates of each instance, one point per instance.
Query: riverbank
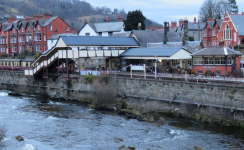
(140, 98)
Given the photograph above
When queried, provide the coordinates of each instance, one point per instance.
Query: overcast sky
(159, 10)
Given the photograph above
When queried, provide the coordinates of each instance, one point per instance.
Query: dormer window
(67, 29)
(22, 29)
(13, 30)
(38, 27)
(29, 28)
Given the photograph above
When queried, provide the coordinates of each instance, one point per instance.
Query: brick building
(210, 32)
(219, 61)
(231, 30)
(30, 34)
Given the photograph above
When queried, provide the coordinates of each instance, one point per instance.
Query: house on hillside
(30, 34)
(102, 29)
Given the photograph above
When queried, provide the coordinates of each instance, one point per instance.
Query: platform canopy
(168, 53)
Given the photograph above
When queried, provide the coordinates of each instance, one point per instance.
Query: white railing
(59, 54)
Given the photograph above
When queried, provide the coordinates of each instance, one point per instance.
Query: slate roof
(56, 36)
(99, 41)
(151, 52)
(90, 24)
(191, 46)
(123, 34)
(49, 20)
(219, 21)
(238, 21)
(109, 26)
(145, 36)
(211, 24)
(216, 51)
(193, 26)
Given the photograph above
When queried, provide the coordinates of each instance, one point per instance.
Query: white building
(102, 29)
(53, 40)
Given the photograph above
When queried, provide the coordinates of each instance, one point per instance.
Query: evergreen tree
(132, 20)
(233, 6)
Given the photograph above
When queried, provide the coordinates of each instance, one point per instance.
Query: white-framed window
(20, 49)
(67, 29)
(13, 30)
(227, 32)
(50, 27)
(14, 39)
(27, 38)
(189, 64)
(13, 49)
(88, 34)
(214, 32)
(11, 40)
(230, 60)
(205, 34)
(38, 27)
(44, 37)
(174, 63)
(22, 29)
(197, 61)
(39, 37)
(214, 43)
(1, 41)
(2, 32)
(29, 28)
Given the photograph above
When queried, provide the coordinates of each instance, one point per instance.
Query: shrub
(90, 78)
(192, 72)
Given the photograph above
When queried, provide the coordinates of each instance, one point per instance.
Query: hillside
(72, 11)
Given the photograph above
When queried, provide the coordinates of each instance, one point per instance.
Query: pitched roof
(191, 46)
(98, 41)
(219, 22)
(216, 51)
(49, 20)
(151, 52)
(56, 36)
(109, 26)
(123, 34)
(210, 24)
(145, 36)
(193, 26)
(90, 24)
(238, 21)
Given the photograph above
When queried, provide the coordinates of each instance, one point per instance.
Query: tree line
(217, 9)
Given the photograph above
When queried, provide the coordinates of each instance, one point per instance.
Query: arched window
(227, 32)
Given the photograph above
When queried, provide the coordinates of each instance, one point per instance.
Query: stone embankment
(201, 101)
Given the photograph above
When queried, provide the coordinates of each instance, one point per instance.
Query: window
(110, 33)
(175, 63)
(14, 39)
(29, 28)
(209, 43)
(189, 64)
(214, 32)
(208, 33)
(199, 72)
(67, 28)
(2, 32)
(230, 60)
(22, 29)
(214, 43)
(38, 27)
(40, 37)
(205, 44)
(227, 32)
(100, 34)
(50, 27)
(13, 30)
(87, 34)
(1, 41)
(44, 37)
(13, 49)
(205, 33)
(197, 61)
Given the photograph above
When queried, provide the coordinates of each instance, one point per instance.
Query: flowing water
(53, 125)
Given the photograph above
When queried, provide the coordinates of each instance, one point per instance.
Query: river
(59, 125)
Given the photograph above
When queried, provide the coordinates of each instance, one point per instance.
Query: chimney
(139, 26)
(173, 24)
(85, 22)
(161, 28)
(146, 28)
(185, 29)
(27, 18)
(37, 17)
(120, 19)
(47, 15)
(11, 19)
(107, 19)
(156, 29)
(195, 20)
(180, 22)
(242, 13)
(165, 32)
(152, 27)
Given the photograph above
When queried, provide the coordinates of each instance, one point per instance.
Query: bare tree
(2, 135)
(216, 9)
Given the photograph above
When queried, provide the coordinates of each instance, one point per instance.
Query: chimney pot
(107, 19)
(120, 19)
(242, 13)
(139, 26)
(195, 20)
